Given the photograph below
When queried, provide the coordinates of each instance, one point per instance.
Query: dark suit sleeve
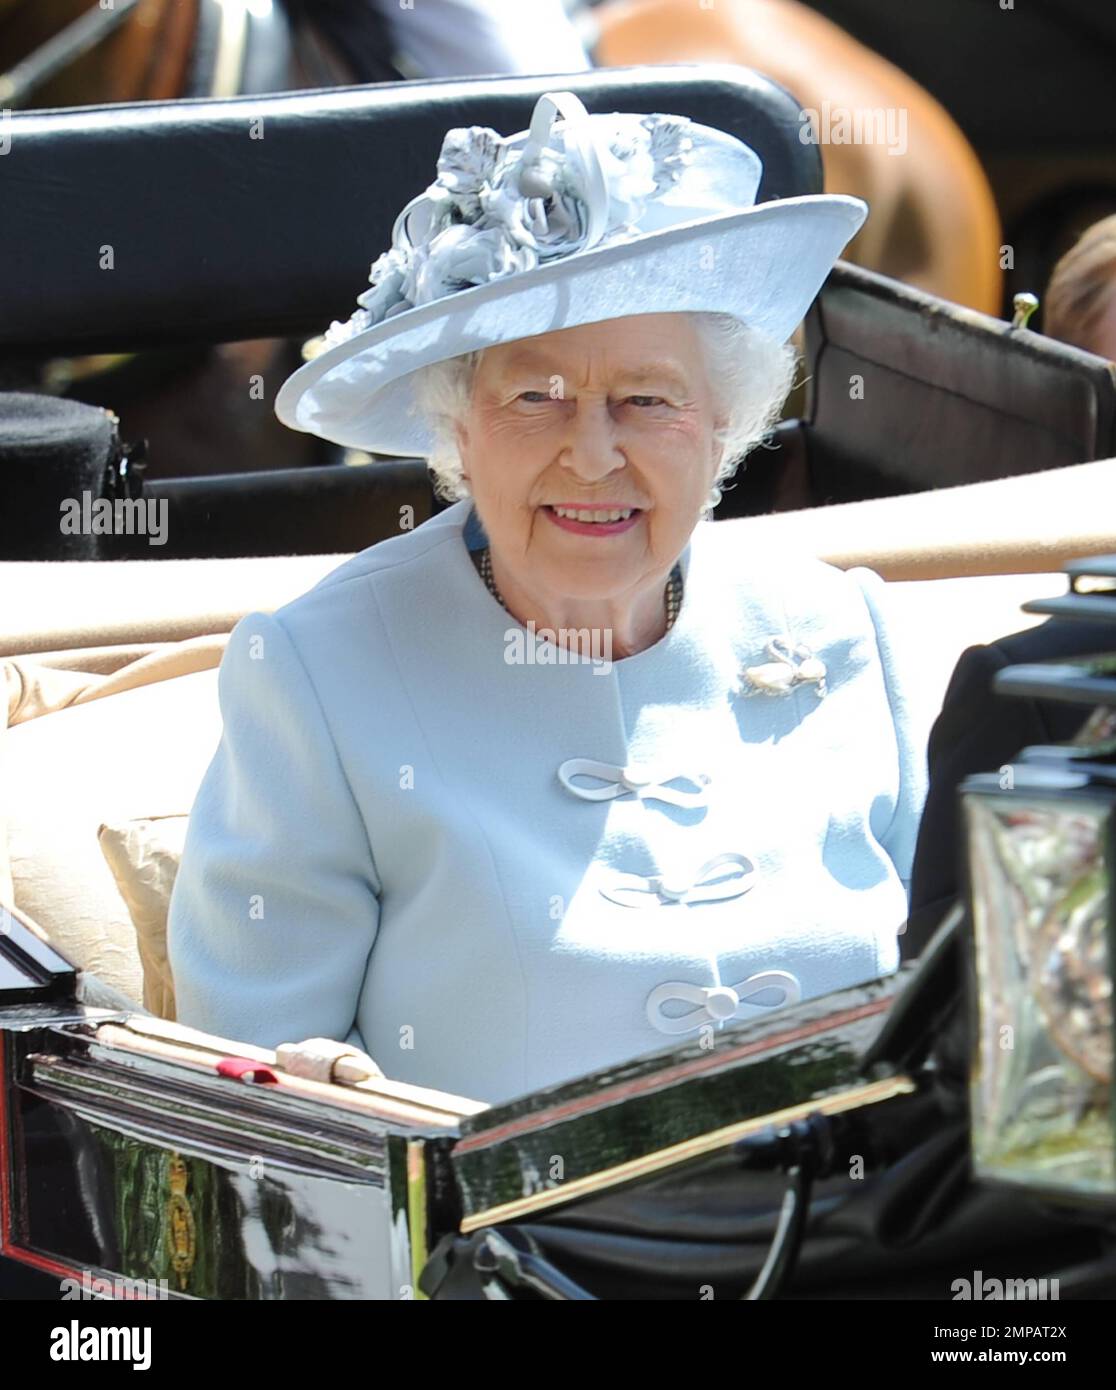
(979, 731)
(976, 731)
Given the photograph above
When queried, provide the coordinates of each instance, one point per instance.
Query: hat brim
(763, 265)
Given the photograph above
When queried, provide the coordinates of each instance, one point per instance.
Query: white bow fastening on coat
(640, 782)
(718, 1003)
(707, 885)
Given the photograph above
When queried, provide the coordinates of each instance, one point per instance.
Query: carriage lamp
(1040, 842)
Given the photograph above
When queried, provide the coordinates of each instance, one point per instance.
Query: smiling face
(590, 453)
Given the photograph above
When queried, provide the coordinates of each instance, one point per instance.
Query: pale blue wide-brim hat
(576, 220)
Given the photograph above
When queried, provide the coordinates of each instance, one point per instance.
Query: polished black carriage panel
(205, 1186)
(679, 1176)
(124, 1158)
(647, 1115)
(130, 1158)
(31, 970)
(217, 1187)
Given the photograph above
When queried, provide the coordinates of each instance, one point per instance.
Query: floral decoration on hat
(500, 206)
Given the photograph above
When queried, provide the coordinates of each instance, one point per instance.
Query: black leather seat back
(153, 224)
(909, 392)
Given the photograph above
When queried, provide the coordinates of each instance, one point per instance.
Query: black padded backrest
(218, 236)
(909, 392)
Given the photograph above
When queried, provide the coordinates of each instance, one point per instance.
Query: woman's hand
(326, 1059)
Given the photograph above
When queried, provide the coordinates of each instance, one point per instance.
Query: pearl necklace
(672, 595)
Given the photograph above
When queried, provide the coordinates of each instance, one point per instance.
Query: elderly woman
(563, 774)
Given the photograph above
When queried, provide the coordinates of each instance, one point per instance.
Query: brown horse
(194, 405)
(934, 222)
(123, 52)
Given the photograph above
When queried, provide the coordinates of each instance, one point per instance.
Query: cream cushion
(54, 604)
(140, 753)
(144, 856)
(1031, 524)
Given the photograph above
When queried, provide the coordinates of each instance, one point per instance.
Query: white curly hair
(751, 375)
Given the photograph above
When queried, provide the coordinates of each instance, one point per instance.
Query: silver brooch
(789, 666)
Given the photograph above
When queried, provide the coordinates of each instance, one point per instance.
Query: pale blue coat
(383, 849)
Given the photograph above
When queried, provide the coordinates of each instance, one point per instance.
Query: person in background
(1080, 305)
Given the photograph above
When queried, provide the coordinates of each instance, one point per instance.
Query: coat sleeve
(908, 720)
(276, 905)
